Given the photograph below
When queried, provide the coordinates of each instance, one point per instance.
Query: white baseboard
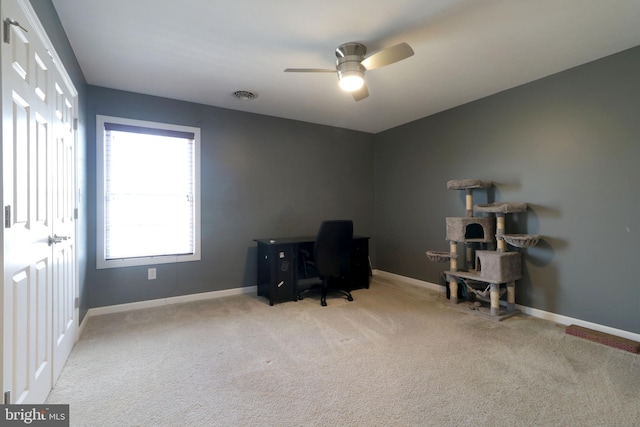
(409, 280)
(534, 312)
(82, 325)
(167, 301)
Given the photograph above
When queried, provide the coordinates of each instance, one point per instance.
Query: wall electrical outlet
(151, 274)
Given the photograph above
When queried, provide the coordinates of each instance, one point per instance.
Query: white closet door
(36, 298)
(63, 198)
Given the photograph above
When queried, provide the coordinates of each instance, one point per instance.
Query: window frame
(101, 261)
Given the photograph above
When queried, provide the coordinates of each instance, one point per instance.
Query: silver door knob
(57, 239)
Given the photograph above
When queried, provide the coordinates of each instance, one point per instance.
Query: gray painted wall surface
(261, 177)
(569, 145)
(51, 23)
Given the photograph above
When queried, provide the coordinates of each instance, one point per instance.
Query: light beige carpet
(396, 356)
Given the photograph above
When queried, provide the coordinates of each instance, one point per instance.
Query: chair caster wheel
(349, 298)
(323, 303)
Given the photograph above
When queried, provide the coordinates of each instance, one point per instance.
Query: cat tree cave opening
(474, 231)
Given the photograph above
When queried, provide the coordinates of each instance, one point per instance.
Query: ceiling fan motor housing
(349, 64)
(351, 48)
(349, 57)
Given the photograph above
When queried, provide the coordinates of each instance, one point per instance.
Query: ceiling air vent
(245, 95)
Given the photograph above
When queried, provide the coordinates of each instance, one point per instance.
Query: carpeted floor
(396, 356)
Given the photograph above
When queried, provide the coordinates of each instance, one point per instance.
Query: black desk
(279, 266)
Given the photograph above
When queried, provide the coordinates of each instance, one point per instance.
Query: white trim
(98, 311)
(83, 324)
(566, 320)
(409, 280)
(534, 312)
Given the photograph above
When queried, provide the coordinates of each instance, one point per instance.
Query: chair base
(324, 288)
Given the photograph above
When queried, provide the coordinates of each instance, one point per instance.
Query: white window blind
(149, 195)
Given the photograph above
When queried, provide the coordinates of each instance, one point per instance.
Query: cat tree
(490, 269)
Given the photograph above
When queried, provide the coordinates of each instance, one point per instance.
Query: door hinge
(75, 124)
(6, 33)
(7, 397)
(75, 213)
(76, 303)
(7, 216)
(7, 29)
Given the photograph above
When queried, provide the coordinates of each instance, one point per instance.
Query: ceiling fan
(351, 65)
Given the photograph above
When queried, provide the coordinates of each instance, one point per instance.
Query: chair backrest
(332, 249)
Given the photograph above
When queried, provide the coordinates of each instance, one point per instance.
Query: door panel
(20, 285)
(20, 141)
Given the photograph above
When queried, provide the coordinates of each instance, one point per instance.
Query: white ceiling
(203, 50)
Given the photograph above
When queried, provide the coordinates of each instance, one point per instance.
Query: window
(148, 181)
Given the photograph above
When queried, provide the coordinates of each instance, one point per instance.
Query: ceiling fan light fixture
(350, 73)
(351, 81)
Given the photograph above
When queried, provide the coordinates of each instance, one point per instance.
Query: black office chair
(332, 256)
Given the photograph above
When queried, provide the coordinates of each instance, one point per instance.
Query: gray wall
(569, 145)
(261, 177)
(49, 19)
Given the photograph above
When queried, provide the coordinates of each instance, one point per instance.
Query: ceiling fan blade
(309, 70)
(387, 56)
(361, 93)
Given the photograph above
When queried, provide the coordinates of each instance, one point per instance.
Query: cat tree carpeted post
(453, 266)
(502, 246)
(511, 295)
(469, 202)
